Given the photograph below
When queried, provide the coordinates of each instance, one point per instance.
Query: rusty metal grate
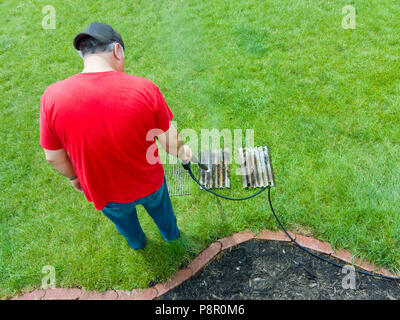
(178, 181)
(218, 175)
(256, 167)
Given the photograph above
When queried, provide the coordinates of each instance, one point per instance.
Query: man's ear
(117, 51)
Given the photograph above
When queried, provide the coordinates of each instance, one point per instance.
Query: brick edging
(196, 265)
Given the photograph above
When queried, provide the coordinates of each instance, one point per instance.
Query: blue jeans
(158, 206)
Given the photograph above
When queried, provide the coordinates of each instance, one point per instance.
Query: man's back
(101, 119)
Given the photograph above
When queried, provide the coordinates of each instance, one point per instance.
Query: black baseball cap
(102, 32)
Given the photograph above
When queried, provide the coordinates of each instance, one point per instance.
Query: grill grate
(256, 167)
(218, 175)
(178, 181)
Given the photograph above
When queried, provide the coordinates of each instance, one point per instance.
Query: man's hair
(90, 45)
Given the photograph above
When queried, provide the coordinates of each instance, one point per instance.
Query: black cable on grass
(217, 194)
(318, 256)
(188, 168)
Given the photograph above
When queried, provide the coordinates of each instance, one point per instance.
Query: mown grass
(326, 101)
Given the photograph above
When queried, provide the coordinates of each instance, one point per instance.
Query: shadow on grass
(187, 246)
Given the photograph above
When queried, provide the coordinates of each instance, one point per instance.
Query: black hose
(220, 195)
(188, 168)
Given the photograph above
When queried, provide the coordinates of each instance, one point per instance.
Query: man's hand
(185, 154)
(77, 186)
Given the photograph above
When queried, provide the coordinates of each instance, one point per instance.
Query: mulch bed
(259, 269)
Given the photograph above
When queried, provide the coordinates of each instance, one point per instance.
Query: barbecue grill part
(178, 182)
(218, 174)
(256, 168)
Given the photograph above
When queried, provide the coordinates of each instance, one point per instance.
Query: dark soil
(276, 270)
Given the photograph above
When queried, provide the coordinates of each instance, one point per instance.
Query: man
(94, 128)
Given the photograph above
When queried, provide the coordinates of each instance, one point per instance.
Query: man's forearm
(64, 166)
(171, 141)
(173, 147)
(60, 160)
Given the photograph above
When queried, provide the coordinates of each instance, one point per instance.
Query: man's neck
(96, 64)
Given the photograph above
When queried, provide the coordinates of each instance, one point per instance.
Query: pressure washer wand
(195, 160)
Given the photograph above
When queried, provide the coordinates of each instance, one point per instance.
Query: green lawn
(326, 100)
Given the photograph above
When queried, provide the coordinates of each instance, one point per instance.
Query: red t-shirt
(102, 119)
